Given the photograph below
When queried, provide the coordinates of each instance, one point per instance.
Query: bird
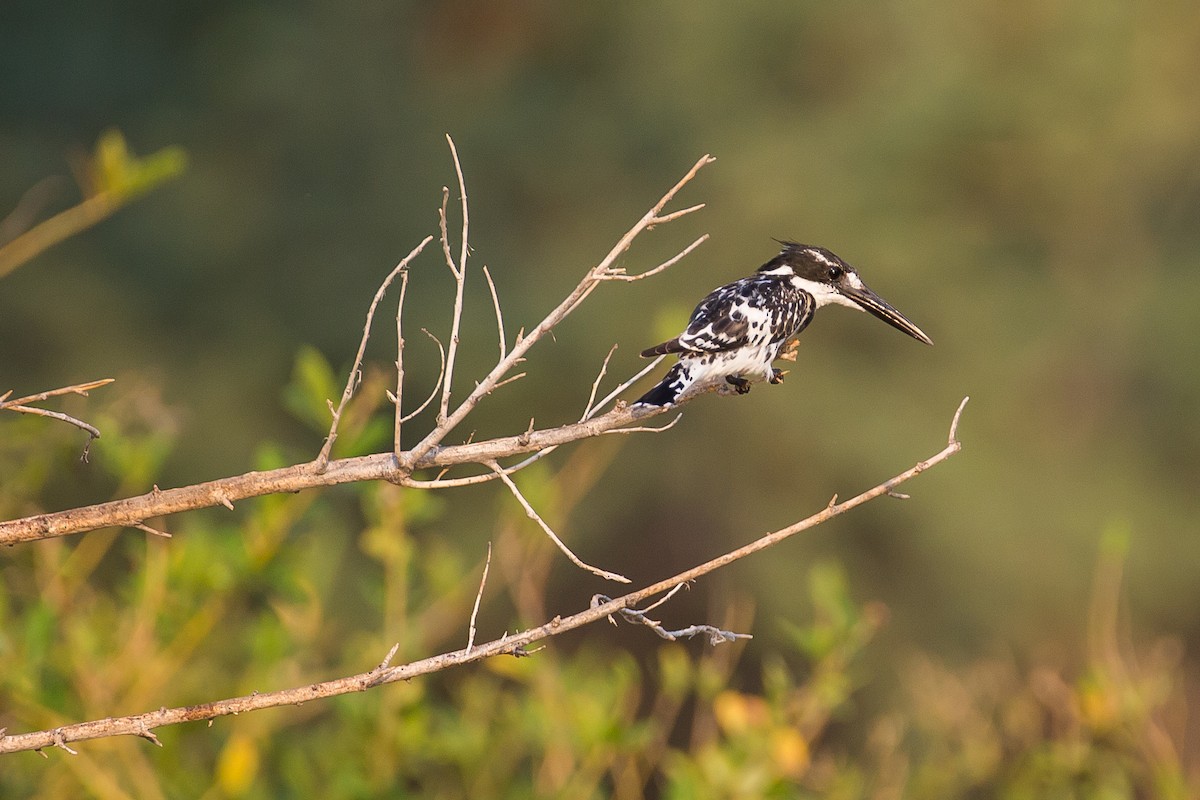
(737, 331)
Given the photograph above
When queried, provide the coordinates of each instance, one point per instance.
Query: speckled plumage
(737, 331)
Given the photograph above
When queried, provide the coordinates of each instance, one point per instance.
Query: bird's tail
(668, 389)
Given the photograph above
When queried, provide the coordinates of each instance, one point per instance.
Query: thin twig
(533, 515)
(376, 467)
(670, 262)
(647, 428)
(21, 405)
(513, 644)
(58, 415)
(617, 391)
(155, 531)
(460, 279)
(508, 380)
(487, 563)
(436, 384)
(322, 459)
(78, 388)
(499, 316)
(398, 397)
(587, 409)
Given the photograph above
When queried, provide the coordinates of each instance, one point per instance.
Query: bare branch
(591, 280)
(596, 383)
(487, 563)
(670, 262)
(659, 219)
(387, 660)
(647, 428)
(516, 644)
(715, 635)
(533, 515)
(379, 466)
(153, 531)
(508, 380)
(58, 415)
(499, 316)
(383, 466)
(952, 440)
(21, 405)
(436, 384)
(617, 391)
(398, 397)
(460, 279)
(322, 459)
(78, 388)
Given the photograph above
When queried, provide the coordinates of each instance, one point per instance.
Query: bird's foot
(788, 353)
(740, 385)
(777, 375)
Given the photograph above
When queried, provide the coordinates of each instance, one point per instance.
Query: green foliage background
(1022, 180)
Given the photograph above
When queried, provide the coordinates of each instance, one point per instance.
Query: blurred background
(1021, 180)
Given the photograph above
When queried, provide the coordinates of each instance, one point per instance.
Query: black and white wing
(754, 310)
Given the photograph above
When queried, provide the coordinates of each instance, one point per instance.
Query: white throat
(825, 295)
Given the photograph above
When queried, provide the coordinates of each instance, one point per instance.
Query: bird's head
(830, 280)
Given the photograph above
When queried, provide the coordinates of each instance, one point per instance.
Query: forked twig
(21, 405)
(521, 345)
(322, 459)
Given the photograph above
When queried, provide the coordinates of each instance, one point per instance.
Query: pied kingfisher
(736, 332)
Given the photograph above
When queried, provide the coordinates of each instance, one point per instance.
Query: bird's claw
(777, 375)
(740, 385)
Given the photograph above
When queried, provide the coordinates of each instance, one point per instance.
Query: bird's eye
(835, 273)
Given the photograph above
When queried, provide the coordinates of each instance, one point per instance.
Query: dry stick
(638, 616)
(78, 388)
(58, 415)
(596, 383)
(499, 316)
(383, 466)
(533, 515)
(460, 278)
(322, 459)
(21, 404)
(142, 724)
(590, 281)
(154, 531)
(437, 385)
(226, 491)
(399, 396)
(589, 413)
(487, 563)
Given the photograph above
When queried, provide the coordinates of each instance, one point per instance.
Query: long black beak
(877, 306)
